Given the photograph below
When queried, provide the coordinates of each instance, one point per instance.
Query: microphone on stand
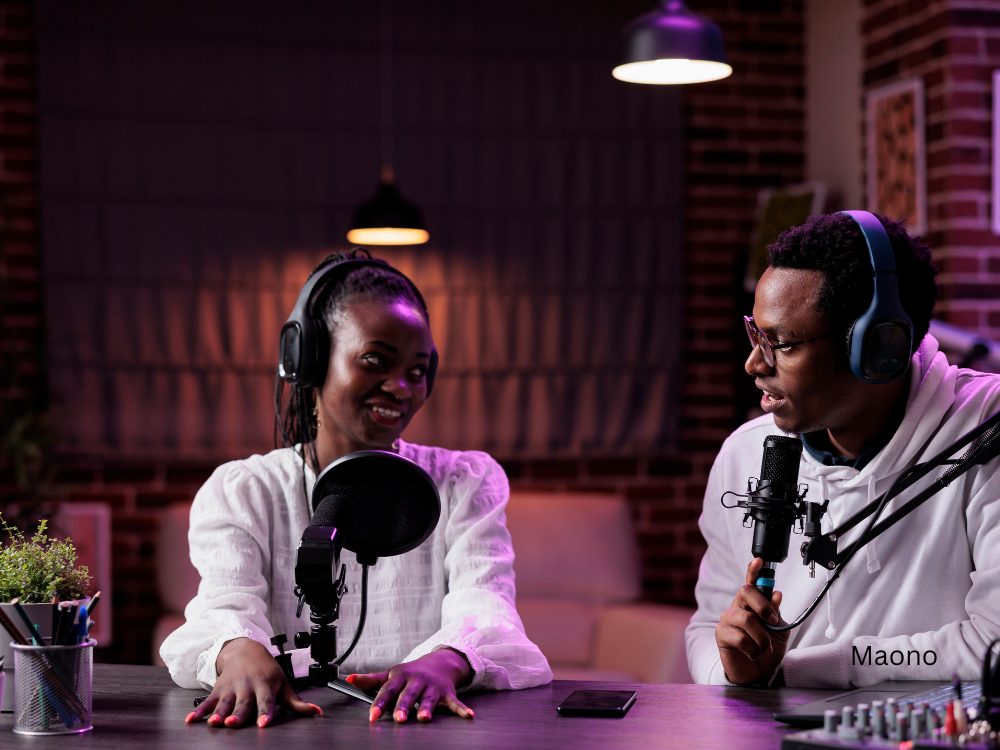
(775, 512)
(375, 504)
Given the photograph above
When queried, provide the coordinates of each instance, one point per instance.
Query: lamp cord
(387, 90)
(364, 612)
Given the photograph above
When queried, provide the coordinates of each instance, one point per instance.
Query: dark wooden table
(141, 708)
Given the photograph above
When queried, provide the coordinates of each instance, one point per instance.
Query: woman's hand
(750, 652)
(424, 683)
(250, 682)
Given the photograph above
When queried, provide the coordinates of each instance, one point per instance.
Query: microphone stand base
(347, 688)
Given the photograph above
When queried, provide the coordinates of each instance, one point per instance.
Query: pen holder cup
(53, 688)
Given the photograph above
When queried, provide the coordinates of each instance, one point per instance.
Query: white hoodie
(931, 583)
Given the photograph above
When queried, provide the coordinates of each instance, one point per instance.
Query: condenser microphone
(774, 511)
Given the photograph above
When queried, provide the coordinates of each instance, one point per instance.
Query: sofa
(578, 588)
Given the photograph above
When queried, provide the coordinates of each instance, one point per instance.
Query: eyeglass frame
(767, 352)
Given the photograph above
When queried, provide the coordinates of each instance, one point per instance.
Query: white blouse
(456, 590)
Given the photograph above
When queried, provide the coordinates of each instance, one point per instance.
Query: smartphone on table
(608, 704)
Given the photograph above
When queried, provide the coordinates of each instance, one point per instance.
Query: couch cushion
(562, 628)
(646, 640)
(573, 546)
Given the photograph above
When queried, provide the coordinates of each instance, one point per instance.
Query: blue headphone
(880, 342)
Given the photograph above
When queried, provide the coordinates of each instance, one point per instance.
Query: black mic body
(775, 510)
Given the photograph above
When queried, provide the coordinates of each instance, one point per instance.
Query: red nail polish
(262, 721)
(471, 712)
(374, 713)
(215, 717)
(187, 719)
(230, 720)
(350, 678)
(319, 711)
(401, 716)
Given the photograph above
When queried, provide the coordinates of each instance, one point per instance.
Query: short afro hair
(833, 244)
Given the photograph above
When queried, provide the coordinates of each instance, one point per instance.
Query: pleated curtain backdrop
(198, 158)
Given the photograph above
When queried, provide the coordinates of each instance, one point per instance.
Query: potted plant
(34, 570)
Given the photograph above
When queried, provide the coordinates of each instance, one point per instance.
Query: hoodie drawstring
(831, 631)
(873, 564)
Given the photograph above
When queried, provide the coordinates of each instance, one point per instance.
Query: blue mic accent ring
(766, 582)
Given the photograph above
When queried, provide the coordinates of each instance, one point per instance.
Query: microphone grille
(780, 464)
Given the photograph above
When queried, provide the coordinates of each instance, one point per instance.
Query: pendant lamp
(387, 219)
(672, 45)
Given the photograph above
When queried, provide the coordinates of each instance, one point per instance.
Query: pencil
(93, 603)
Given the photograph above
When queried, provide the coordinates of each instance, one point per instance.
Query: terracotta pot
(41, 615)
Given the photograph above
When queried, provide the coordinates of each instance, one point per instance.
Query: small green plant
(39, 568)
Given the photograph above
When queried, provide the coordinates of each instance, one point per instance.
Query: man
(922, 600)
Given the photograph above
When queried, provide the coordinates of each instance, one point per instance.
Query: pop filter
(382, 504)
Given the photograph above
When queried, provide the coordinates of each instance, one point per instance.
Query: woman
(440, 617)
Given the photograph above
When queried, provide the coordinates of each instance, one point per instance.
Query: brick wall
(953, 45)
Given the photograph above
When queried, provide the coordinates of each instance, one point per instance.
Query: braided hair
(297, 423)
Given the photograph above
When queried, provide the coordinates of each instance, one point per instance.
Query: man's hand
(750, 652)
(423, 683)
(250, 682)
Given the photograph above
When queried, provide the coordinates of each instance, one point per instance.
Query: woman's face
(377, 375)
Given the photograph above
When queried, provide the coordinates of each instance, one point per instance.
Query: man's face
(810, 387)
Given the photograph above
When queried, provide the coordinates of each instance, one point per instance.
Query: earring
(316, 415)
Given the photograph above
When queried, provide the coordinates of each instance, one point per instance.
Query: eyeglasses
(767, 349)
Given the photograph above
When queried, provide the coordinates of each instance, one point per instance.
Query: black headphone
(304, 346)
(880, 342)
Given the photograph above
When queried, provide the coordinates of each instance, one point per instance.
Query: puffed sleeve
(229, 541)
(478, 616)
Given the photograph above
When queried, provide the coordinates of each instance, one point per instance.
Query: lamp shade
(672, 45)
(387, 219)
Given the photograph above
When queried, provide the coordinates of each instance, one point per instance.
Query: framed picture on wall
(996, 152)
(897, 172)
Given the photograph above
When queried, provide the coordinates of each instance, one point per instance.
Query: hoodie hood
(932, 396)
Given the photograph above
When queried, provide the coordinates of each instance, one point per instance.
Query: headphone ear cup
(432, 371)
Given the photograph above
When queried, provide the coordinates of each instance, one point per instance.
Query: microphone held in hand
(775, 503)
(779, 491)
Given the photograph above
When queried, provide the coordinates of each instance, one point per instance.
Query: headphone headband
(304, 345)
(880, 342)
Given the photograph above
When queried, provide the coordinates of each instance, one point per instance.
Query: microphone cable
(364, 614)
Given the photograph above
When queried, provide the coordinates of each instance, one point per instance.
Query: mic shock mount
(803, 516)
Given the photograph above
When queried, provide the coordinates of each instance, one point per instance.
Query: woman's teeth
(387, 413)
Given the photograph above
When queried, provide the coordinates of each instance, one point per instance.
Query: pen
(55, 615)
(71, 620)
(57, 624)
(80, 631)
(36, 634)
